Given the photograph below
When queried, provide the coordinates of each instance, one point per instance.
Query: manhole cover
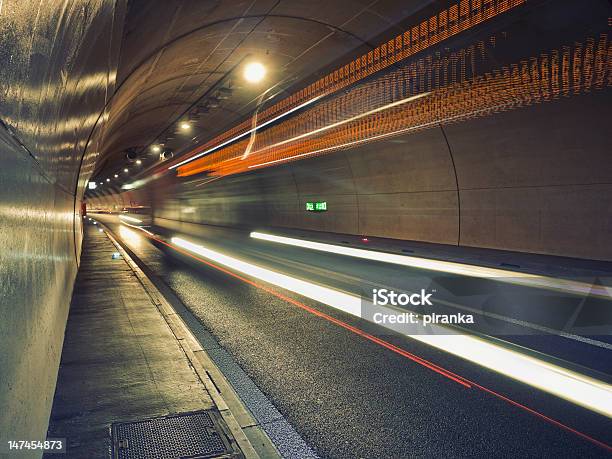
(188, 435)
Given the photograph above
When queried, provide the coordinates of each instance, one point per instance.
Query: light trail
(385, 135)
(240, 136)
(138, 228)
(462, 269)
(129, 219)
(349, 303)
(348, 120)
(574, 387)
(430, 365)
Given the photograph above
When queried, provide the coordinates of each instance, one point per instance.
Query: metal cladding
(53, 93)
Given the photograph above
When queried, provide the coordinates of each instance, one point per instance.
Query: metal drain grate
(188, 435)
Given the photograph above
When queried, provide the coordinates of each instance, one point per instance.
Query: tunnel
(305, 228)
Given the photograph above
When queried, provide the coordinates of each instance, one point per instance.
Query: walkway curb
(250, 437)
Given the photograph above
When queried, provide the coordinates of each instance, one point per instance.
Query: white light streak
(577, 388)
(239, 136)
(500, 275)
(348, 120)
(347, 303)
(383, 136)
(136, 227)
(129, 219)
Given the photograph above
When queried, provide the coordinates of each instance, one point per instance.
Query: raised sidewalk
(133, 381)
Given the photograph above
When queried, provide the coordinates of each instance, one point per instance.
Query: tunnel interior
(463, 131)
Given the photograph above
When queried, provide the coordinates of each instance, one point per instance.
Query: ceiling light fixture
(254, 72)
(156, 148)
(116, 175)
(125, 170)
(185, 125)
(139, 162)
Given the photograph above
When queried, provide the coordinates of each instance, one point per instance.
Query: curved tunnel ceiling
(174, 52)
(497, 80)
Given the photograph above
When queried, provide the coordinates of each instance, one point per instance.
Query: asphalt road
(350, 397)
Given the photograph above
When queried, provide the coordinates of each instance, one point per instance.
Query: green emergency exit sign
(316, 206)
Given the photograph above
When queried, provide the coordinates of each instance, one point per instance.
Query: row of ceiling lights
(125, 170)
(254, 72)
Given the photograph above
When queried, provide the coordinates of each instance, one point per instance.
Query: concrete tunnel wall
(57, 66)
(535, 180)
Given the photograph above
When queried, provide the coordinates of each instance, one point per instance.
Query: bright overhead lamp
(185, 125)
(116, 175)
(139, 162)
(108, 180)
(254, 72)
(125, 170)
(156, 148)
